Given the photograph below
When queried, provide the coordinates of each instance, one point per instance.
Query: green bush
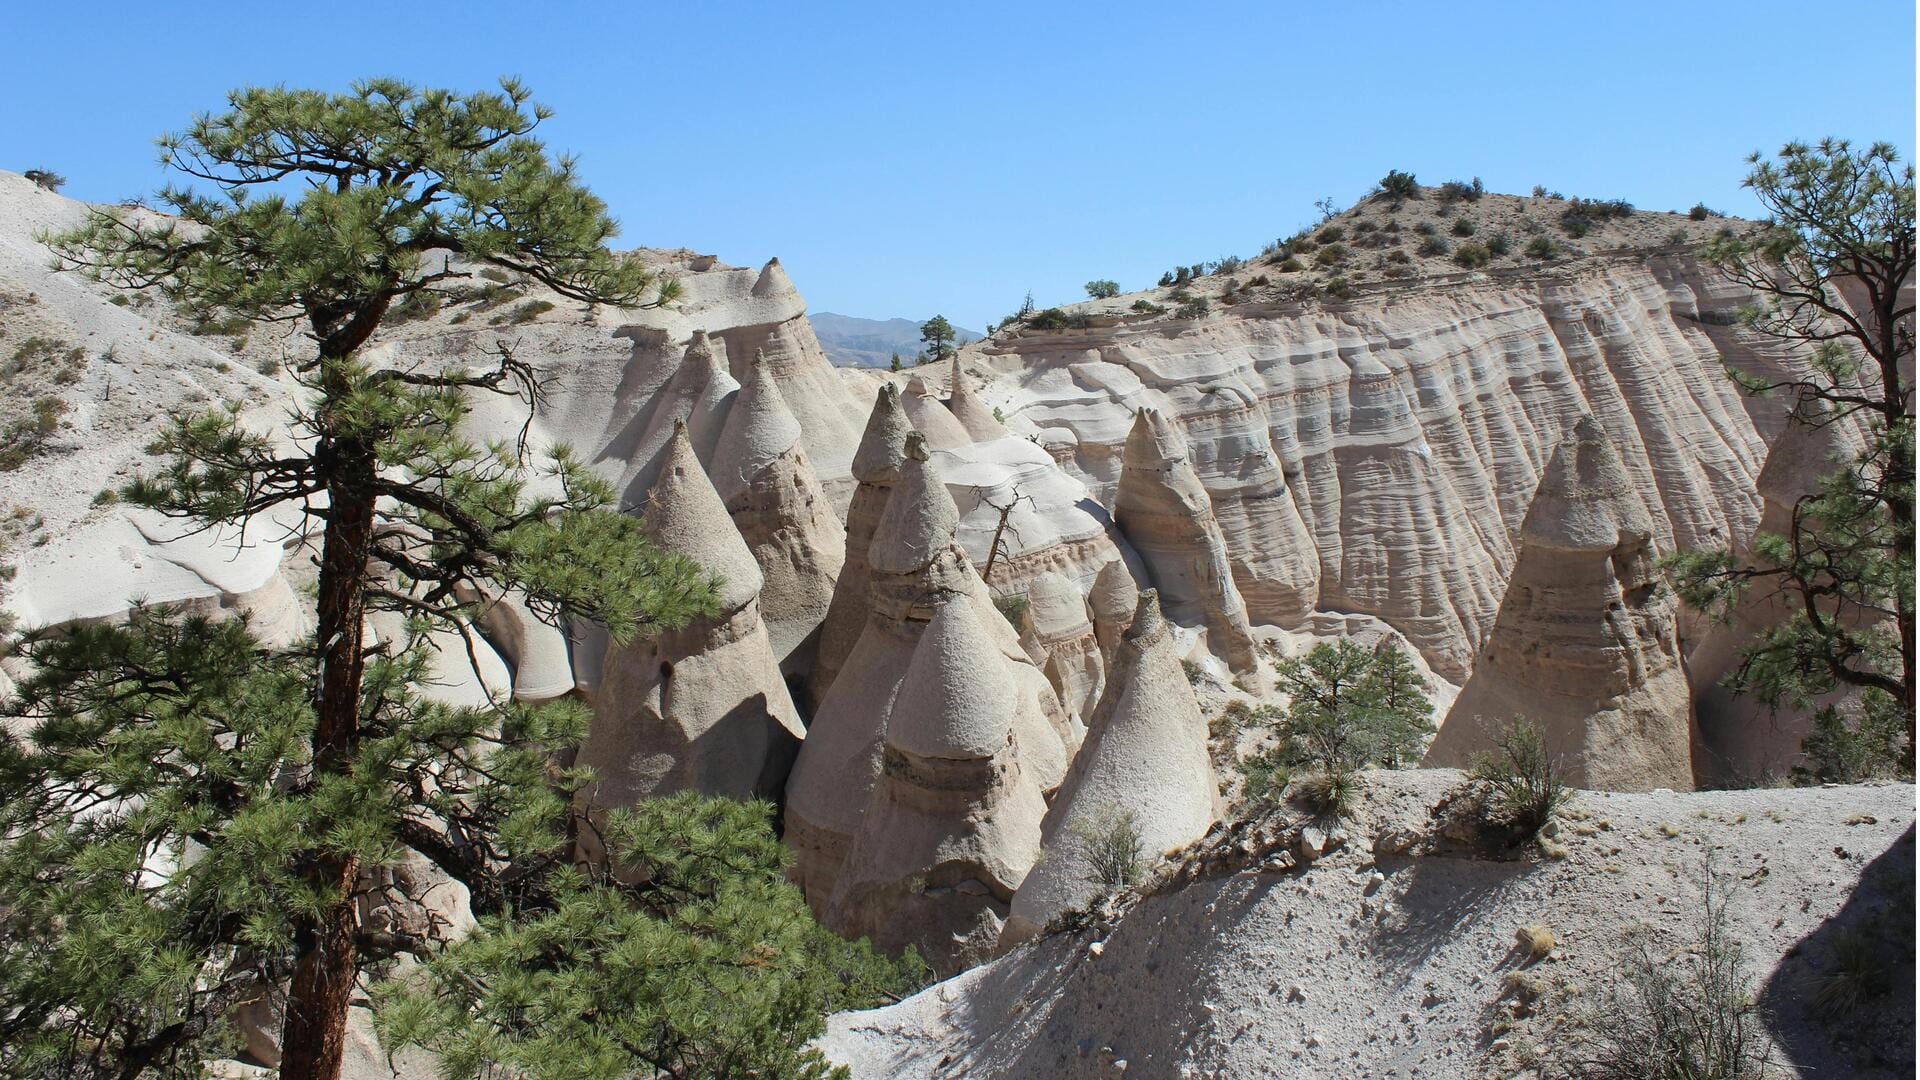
(1524, 784)
(1462, 227)
(1498, 244)
(1114, 849)
(1331, 255)
(1399, 185)
(1338, 288)
(1331, 234)
(1192, 309)
(1541, 248)
(1147, 307)
(1103, 289)
(1699, 212)
(1433, 245)
(522, 313)
(1291, 265)
(1472, 255)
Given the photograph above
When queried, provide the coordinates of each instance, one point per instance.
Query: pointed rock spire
(1585, 643)
(876, 466)
(1059, 634)
(955, 818)
(776, 501)
(973, 414)
(697, 397)
(933, 419)
(773, 281)
(700, 708)
(920, 518)
(1165, 512)
(1145, 757)
(1113, 600)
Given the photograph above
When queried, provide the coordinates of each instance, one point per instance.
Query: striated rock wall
(1410, 428)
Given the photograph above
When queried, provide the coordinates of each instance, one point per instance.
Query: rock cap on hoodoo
(1055, 607)
(759, 429)
(1152, 439)
(1586, 500)
(920, 518)
(884, 444)
(773, 280)
(684, 515)
(1114, 593)
(955, 701)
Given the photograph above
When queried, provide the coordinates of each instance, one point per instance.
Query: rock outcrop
(915, 567)
(703, 707)
(697, 396)
(1585, 644)
(769, 488)
(1744, 742)
(1166, 514)
(954, 822)
(1113, 600)
(1057, 632)
(1144, 766)
(972, 413)
(931, 418)
(876, 466)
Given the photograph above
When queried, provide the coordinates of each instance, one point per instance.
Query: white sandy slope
(1326, 972)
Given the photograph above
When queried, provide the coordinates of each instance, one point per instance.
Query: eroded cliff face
(1407, 429)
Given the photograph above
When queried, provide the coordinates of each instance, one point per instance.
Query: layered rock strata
(1057, 631)
(1585, 644)
(704, 707)
(1144, 766)
(769, 488)
(954, 821)
(1166, 514)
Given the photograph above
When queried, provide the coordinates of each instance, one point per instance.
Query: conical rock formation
(1585, 643)
(1113, 600)
(1167, 516)
(954, 822)
(1145, 757)
(931, 417)
(697, 395)
(1058, 634)
(973, 414)
(876, 467)
(703, 707)
(915, 567)
(762, 474)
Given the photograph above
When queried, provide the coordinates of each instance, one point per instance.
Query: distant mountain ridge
(855, 342)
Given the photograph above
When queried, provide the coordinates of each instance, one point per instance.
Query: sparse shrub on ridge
(1699, 212)
(1524, 784)
(1399, 185)
(1103, 289)
(46, 179)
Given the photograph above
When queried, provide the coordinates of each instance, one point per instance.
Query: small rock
(1311, 843)
(1373, 883)
(1296, 992)
(1096, 948)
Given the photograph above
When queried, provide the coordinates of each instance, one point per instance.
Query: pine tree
(1833, 270)
(1350, 707)
(937, 335)
(199, 819)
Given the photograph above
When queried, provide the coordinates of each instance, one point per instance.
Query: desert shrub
(1166, 280)
(1524, 784)
(1425, 228)
(1399, 257)
(24, 440)
(1331, 234)
(1699, 212)
(46, 179)
(1331, 255)
(1398, 271)
(1012, 607)
(1582, 215)
(1861, 739)
(1861, 970)
(495, 275)
(1103, 289)
(1541, 247)
(1462, 227)
(1273, 250)
(1114, 849)
(1257, 281)
(1398, 185)
(1678, 1018)
(1147, 307)
(522, 313)
(1364, 226)
(1338, 288)
(1056, 319)
(1676, 236)
(1472, 256)
(1539, 191)
(268, 367)
(1433, 245)
(1192, 309)
(119, 300)
(1303, 245)
(1498, 244)
(1263, 778)
(1228, 265)
(1291, 265)
(423, 304)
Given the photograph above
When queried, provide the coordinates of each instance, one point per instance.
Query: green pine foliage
(1350, 708)
(193, 819)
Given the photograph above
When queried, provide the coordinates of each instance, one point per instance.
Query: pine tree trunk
(313, 1034)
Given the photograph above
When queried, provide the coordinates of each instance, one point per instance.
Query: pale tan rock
(876, 466)
(704, 707)
(1145, 753)
(698, 396)
(1113, 600)
(954, 821)
(763, 476)
(1057, 632)
(1166, 515)
(1744, 742)
(915, 567)
(931, 417)
(534, 648)
(973, 414)
(1585, 644)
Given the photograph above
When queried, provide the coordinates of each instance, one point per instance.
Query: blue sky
(903, 159)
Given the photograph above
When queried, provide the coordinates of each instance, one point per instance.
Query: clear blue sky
(904, 159)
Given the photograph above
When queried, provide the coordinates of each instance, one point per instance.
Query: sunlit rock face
(1586, 644)
(1410, 429)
